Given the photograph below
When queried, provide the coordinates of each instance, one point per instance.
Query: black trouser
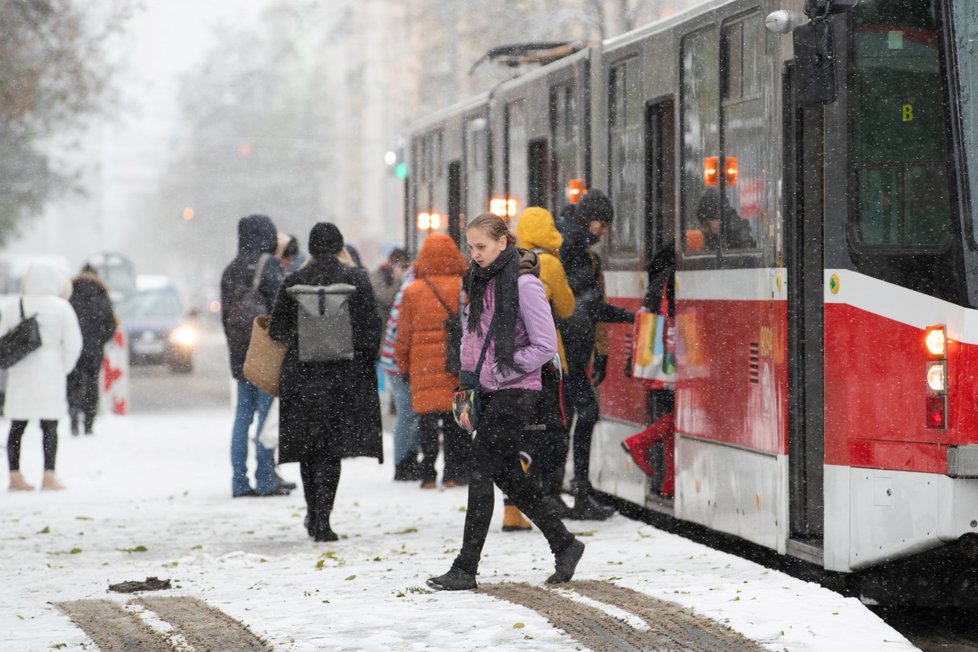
(495, 459)
(582, 400)
(83, 395)
(50, 443)
(455, 442)
(320, 477)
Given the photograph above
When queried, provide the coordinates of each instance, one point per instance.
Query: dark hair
(88, 268)
(292, 249)
(493, 226)
(399, 257)
(354, 254)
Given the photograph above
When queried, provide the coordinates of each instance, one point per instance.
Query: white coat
(36, 386)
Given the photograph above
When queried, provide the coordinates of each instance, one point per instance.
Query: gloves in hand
(598, 368)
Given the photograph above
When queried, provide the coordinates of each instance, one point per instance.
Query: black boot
(586, 508)
(455, 579)
(566, 563)
(408, 469)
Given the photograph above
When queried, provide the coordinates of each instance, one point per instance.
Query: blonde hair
(493, 226)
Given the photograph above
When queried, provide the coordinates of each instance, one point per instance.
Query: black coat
(583, 270)
(329, 409)
(256, 236)
(90, 299)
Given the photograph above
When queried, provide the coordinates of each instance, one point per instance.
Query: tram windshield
(966, 48)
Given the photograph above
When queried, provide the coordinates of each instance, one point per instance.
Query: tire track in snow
(203, 626)
(112, 628)
(591, 627)
(678, 627)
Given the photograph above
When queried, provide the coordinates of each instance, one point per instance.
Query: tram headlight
(937, 377)
(936, 341)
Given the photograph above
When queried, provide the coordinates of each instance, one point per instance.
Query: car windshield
(162, 302)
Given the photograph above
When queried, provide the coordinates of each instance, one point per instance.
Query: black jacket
(90, 299)
(329, 409)
(584, 277)
(256, 236)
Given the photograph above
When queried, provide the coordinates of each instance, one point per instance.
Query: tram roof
(663, 24)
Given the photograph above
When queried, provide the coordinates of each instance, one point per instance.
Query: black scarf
(505, 269)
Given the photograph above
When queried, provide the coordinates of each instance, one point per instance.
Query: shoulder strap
(485, 345)
(440, 300)
(22, 315)
(259, 268)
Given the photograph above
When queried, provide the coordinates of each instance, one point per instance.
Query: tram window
(700, 131)
(899, 127)
(626, 169)
(745, 201)
(439, 156)
(476, 181)
(965, 38)
(565, 130)
(517, 178)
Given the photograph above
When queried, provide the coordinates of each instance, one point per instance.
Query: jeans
(407, 423)
(250, 400)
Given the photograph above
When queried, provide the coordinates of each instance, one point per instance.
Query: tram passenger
(547, 439)
(584, 334)
(421, 354)
(330, 408)
(508, 307)
(652, 449)
(722, 223)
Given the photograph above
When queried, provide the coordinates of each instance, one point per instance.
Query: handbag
(465, 398)
(263, 361)
(22, 339)
(653, 349)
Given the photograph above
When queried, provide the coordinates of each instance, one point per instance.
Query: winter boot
(455, 579)
(408, 469)
(18, 483)
(514, 521)
(50, 482)
(586, 508)
(566, 563)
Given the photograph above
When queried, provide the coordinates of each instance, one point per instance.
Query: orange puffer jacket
(421, 335)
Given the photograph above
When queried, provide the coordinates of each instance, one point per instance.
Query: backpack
(325, 329)
(249, 303)
(453, 331)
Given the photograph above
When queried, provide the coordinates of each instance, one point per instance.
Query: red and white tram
(826, 401)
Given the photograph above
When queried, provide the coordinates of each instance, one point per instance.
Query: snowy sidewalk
(150, 496)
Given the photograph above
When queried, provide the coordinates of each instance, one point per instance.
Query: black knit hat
(325, 239)
(595, 206)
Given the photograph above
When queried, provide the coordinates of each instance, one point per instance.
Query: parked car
(158, 330)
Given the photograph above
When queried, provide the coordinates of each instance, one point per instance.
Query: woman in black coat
(90, 299)
(328, 410)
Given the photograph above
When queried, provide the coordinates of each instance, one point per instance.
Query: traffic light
(394, 158)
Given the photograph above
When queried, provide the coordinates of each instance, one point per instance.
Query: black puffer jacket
(329, 409)
(584, 277)
(256, 236)
(90, 299)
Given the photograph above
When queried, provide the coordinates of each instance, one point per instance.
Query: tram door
(804, 244)
(539, 174)
(659, 204)
(454, 216)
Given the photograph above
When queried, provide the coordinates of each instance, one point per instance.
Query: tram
(826, 400)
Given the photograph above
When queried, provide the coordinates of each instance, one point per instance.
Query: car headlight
(184, 335)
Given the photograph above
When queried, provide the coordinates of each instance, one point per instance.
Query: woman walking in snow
(36, 386)
(509, 308)
(329, 406)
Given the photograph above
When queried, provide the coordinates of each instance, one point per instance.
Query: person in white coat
(36, 386)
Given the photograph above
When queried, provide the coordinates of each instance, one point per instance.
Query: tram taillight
(935, 376)
(429, 221)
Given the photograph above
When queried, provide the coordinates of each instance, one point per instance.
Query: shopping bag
(263, 361)
(22, 339)
(653, 348)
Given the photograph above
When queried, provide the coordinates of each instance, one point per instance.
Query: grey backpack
(325, 328)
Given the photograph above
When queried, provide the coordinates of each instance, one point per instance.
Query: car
(158, 330)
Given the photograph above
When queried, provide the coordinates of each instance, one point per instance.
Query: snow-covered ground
(150, 496)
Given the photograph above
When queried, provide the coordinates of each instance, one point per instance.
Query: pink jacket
(535, 341)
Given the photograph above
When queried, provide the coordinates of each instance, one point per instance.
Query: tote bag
(263, 361)
(653, 350)
(22, 339)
